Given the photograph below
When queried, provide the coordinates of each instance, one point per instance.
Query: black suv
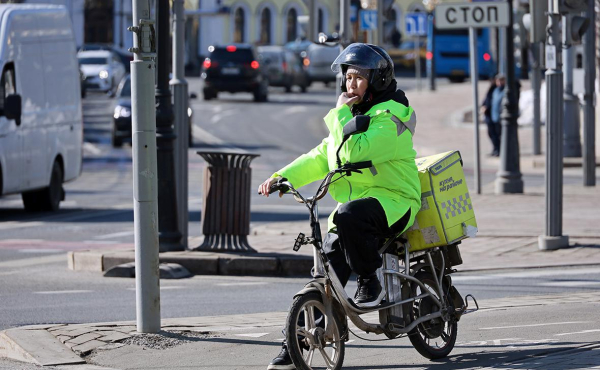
(233, 68)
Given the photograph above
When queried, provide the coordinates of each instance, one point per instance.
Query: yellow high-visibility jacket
(393, 180)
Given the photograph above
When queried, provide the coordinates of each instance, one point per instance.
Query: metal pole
(589, 113)
(145, 210)
(474, 78)
(418, 63)
(180, 96)
(431, 64)
(553, 238)
(502, 51)
(312, 21)
(345, 22)
(508, 178)
(571, 125)
(535, 85)
(169, 235)
(380, 23)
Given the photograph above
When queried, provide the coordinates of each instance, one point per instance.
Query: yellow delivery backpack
(446, 215)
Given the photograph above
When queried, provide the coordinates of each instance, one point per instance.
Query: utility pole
(380, 32)
(553, 238)
(589, 114)
(145, 210)
(312, 21)
(169, 235)
(180, 97)
(508, 178)
(431, 53)
(571, 125)
(537, 36)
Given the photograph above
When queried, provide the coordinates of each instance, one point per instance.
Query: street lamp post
(509, 178)
(169, 235)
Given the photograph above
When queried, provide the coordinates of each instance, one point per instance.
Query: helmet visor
(359, 55)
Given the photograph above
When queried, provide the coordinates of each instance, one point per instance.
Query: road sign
(416, 24)
(478, 14)
(368, 20)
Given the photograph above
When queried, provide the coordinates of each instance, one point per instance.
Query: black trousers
(495, 133)
(361, 228)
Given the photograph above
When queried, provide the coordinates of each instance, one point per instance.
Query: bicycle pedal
(300, 240)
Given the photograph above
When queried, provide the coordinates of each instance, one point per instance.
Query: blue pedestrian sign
(416, 24)
(368, 20)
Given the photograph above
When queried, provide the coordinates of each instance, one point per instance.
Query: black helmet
(367, 56)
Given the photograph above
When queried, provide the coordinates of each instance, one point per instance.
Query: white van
(41, 129)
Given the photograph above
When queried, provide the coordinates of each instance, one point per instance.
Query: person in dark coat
(491, 108)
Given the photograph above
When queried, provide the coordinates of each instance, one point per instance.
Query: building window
(265, 26)
(98, 21)
(240, 25)
(320, 20)
(292, 21)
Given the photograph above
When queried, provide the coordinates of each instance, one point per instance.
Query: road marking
(570, 283)
(534, 325)
(101, 242)
(38, 250)
(64, 292)
(34, 261)
(295, 109)
(579, 332)
(42, 221)
(253, 335)
(91, 148)
(242, 284)
(114, 235)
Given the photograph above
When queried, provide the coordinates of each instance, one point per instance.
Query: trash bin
(226, 201)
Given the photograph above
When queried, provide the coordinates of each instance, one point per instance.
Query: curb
(37, 346)
(200, 263)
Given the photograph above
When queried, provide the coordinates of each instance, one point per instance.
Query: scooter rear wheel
(433, 339)
(308, 343)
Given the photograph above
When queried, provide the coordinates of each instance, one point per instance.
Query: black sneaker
(283, 360)
(369, 292)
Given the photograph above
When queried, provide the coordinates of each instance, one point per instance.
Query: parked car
(283, 68)
(82, 83)
(318, 62)
(298, 47)
(122, 124)
(103, 69)
(233, 68)
(41, 128)
(404, 56)
(125, 56)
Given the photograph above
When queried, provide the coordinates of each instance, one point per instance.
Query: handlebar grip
(359, 165)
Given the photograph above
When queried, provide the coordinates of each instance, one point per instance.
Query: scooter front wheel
(314, 340)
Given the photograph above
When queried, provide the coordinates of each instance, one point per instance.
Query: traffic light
(570, 6)
(575, 27)
(537, 20)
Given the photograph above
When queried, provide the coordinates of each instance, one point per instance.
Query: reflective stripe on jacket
(393, 180)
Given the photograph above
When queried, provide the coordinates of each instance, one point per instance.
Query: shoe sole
(372, 303)
(281, 367)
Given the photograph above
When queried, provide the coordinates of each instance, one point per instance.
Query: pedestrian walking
(492, 108)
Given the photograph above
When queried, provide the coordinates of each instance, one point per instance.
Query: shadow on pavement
(495, 360)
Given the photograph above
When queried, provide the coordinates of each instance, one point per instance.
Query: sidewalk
(509, 226)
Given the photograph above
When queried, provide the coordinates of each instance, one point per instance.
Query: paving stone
(84, 338)
(63, 338)
(87, 347)
(114, 337)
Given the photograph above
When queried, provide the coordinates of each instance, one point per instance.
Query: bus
(451, 53)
